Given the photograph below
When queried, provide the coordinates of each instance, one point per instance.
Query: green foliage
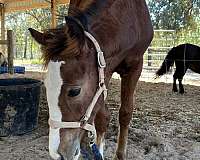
(39, 19)
(183, 16)
(174, 14)
(36, 61)
(164, 38)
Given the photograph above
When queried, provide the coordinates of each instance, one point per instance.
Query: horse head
(71, 84)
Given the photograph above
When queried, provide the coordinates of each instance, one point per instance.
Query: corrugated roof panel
(17, 5)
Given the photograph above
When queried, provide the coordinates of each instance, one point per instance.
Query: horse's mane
(85, 8)
(67, 40)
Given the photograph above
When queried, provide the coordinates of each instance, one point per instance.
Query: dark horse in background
(185, 56)
(123, 30)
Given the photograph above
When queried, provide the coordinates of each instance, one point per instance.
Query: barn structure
(8, 6)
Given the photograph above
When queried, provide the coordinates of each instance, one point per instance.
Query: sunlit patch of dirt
(165, 126)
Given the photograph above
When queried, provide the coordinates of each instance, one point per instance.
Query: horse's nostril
(77, 152)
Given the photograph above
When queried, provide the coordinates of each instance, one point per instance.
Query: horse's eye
(74, 92)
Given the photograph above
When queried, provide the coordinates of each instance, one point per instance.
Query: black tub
(19, 103)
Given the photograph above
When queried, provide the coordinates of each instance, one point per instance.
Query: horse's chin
(71, 152)
(77, 155)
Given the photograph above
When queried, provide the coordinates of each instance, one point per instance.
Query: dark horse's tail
(167, 63)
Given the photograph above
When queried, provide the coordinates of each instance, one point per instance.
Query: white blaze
(101, 147)
(53, 83)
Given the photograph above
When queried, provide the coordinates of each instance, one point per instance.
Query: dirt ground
(165, 126)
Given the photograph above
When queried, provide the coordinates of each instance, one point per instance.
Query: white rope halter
(83, 123)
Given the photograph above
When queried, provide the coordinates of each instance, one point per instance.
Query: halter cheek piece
(83, 123)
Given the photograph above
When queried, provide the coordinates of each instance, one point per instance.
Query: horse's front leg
(180, 79)
(174, 85)
(181, 88)
(128, 85)
(102, 120)
(101, 124)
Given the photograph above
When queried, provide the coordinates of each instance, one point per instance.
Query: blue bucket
(16, 69)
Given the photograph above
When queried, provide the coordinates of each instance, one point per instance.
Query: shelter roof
(21, 5)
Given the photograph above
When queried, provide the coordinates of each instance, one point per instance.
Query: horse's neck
(93, 11)
(87, 5)
(81, 4)
(105, 24)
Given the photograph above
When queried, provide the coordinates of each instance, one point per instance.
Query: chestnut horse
(100, 37)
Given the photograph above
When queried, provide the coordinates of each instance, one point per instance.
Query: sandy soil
(165, 126)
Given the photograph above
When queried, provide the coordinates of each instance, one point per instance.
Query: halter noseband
(83, 123)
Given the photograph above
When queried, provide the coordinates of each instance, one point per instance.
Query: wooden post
(53, 14)
(10, 42)
(149, 57)
(2, 7)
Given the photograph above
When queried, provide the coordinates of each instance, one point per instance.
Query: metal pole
(149, 57)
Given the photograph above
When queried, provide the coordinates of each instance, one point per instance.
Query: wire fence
(163, 42)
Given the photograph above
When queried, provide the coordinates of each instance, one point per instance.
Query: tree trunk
(31, 48)
(25, 46)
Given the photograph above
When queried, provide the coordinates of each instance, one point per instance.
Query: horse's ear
(38, 36)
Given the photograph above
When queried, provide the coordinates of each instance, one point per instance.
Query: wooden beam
(28, 7)
(2, 6)
(53, 14)
(9, 1)
(3, 42)
(21, 5)
(3, 30)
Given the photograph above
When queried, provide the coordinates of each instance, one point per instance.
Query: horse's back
(139, 33)
(187, 52)
(124, 30)
(194, 57)
(136, 23)
(193, 51)
(124, 24)
(188, 55)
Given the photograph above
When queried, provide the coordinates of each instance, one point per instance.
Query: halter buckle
(83, 121)
(101, 60)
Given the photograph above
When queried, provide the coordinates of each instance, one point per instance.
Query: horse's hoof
(119, 157)
(175, 90)
(115, 158)
(181, 92)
